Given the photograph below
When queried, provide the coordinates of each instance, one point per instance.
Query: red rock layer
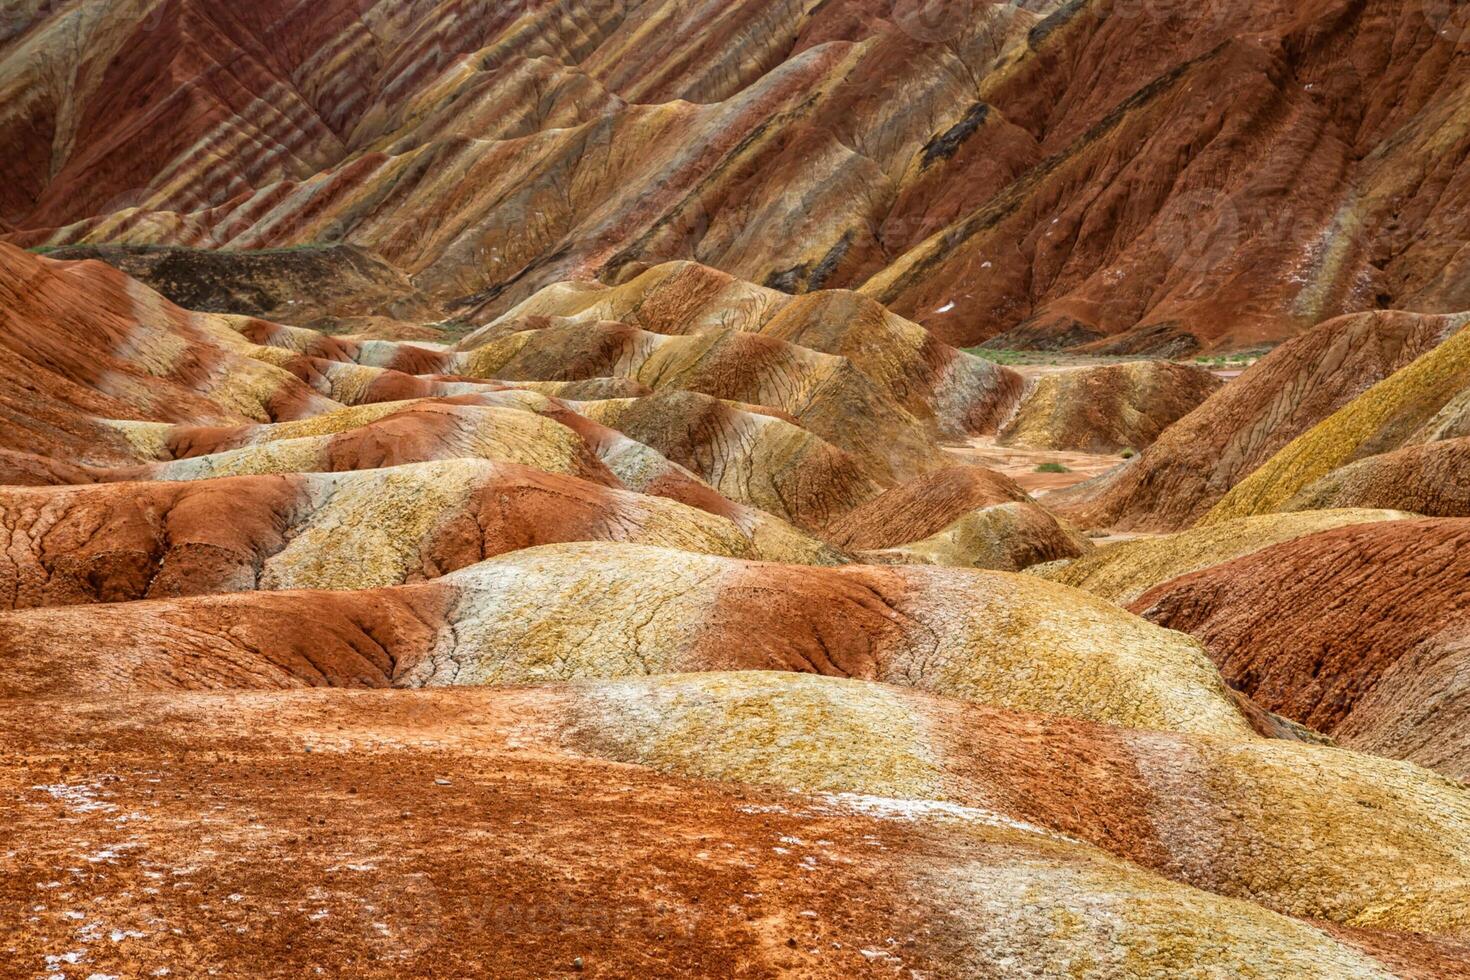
(1358, 632)
(586, 865)
(923, 507)
(1199, 459)
(80, 341)
(1115, 176)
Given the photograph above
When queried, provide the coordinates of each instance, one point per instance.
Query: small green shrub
(1129, 453)
(1052, 468)
(997, 356)
(456, 330)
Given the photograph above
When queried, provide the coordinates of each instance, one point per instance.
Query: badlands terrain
(815, 488)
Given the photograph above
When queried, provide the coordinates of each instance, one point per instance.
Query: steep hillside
(1424, 402)
(1358, 632)
(1206, 454)
(1113, 176)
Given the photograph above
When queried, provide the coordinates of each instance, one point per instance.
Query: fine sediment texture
(490, 489)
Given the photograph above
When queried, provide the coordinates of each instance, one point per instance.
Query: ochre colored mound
(1418, 403)
(1358, 632)
(1314, 810)
(962, 516)
(1432, 479)
(1106, 409)
(958, 392)
(825, 394)
(745, 453)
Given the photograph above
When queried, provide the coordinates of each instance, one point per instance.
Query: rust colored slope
(593, 866)
(120, 542)
(1359, 632)
(1431, 479)
(31, 470)
(563, 612)
(1095, 226)
(961, 515)
(266, 641)
(1200, 458)
(921, 508)
(1170, 150)
(129, 541)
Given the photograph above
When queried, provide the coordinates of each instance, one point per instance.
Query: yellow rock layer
(1376, 421)
(612, 610)
(1123, 572)
(1306, 830)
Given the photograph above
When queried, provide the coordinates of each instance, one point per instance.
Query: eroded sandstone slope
(1116, 176)
(604, 588)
